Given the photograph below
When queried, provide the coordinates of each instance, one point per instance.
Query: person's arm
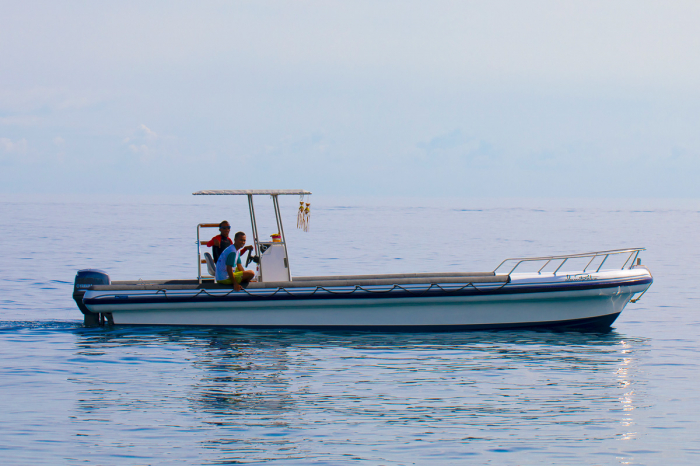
(239, 266)
(215, 241)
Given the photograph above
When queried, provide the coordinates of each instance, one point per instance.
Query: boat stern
(84, 281)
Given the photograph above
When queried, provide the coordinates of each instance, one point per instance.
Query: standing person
(229, 269)
(220, 242)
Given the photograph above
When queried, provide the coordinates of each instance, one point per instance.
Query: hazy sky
(536, 98)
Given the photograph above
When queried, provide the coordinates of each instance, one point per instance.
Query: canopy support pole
(278, 217)
(254, 227)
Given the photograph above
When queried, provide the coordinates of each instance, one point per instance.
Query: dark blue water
(70, 395)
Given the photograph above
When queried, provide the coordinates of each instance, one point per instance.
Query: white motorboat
(573, 291)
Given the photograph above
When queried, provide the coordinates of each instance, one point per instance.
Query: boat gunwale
(396, 292)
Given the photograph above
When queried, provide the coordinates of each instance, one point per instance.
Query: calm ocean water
(70, 395)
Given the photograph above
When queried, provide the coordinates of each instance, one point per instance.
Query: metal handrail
(200, 243)
(633, 253)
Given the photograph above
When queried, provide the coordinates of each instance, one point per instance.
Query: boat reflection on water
(236, 378)
(625, 371)
(239, 396)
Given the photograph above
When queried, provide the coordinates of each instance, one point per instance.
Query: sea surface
(158, 395)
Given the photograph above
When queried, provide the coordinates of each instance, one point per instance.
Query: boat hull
(525, 301)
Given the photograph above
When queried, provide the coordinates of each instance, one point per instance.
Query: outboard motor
(84, 280)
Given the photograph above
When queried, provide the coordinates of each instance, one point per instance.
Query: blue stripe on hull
(597, 324)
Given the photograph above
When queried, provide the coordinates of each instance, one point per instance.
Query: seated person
(229, 269)
(220, 242)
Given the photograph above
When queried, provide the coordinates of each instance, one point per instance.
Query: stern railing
(632, 256)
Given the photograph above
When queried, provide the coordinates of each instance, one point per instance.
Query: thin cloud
(20, 120)
(148, 132)
(444, 141)
(10, 146)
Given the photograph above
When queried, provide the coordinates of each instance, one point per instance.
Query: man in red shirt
(220, 242)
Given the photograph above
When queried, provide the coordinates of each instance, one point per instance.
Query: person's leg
(237, 279)
(244, 277)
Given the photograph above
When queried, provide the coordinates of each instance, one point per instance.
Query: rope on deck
(321, 288)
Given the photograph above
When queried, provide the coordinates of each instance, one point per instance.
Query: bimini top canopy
(254, 192)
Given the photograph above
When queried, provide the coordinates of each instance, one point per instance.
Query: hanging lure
(300, 215)
(307, 216)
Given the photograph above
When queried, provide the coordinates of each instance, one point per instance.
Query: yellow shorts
(238, 276)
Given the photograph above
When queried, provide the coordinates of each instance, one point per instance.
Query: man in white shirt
(229, 269)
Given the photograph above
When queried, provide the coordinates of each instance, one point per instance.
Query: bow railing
(559, 261)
